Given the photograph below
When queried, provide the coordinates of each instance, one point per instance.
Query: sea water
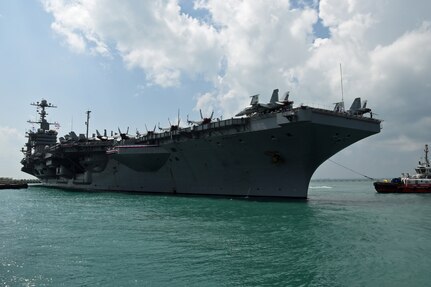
(345, 234)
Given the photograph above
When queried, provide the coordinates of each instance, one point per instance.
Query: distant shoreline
(342, 179)
(10, 183)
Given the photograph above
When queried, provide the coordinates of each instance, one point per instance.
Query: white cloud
(154, 36)
(207, 103)
(399, 86)
(261, 42)
(248, 36)
(258, 45)
(75, 41)
(263, 45)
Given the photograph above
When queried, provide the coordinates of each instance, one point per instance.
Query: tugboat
(418, 183)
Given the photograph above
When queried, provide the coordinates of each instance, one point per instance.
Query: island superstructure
(267, 150)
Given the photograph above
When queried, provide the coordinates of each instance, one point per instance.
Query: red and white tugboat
(418, 183)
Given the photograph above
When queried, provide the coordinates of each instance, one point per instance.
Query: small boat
(417, 183)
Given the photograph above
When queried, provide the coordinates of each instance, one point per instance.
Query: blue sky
(135, 63)
(36, 64)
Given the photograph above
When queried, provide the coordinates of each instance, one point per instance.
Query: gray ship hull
(272, 155)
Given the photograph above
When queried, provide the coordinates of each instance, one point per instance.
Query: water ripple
(346, 235)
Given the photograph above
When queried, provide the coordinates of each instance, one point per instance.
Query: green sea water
(345, 234)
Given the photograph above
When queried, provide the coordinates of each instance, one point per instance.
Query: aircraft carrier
(267, 150)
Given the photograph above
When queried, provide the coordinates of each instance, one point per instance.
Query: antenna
(44, 124)
(342, 91)
(87, 123)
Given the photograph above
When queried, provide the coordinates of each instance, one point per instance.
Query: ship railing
(331, 112)
(188, 130)
(221, 124)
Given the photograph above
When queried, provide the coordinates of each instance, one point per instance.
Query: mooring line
(370, 178)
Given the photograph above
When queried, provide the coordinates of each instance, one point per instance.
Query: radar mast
(44, 124)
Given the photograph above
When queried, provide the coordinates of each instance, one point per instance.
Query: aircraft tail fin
(356, 105)
(286, 96)
(274, 97)
(254, 100)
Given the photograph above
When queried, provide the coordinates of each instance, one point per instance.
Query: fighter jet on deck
(255, 107)
(273, 105)
(356, 108)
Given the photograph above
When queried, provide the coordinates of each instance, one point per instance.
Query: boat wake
(320, 187)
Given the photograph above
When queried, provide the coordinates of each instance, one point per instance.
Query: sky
(136, 63)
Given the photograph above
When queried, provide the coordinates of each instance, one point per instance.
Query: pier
(10, 183)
